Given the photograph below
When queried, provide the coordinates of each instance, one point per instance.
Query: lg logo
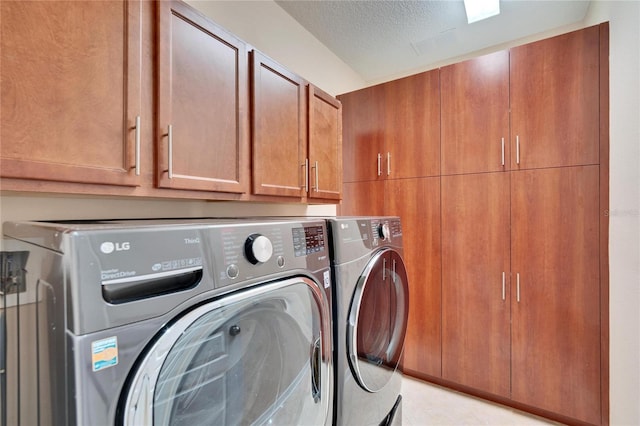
(108, 247)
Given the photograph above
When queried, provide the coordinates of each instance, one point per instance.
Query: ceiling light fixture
(481, 9)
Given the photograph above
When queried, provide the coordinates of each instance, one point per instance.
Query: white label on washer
(327, 279)
(104, 353)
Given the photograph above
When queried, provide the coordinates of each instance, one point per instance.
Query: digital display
(308, 240)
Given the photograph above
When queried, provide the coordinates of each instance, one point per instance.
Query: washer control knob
(383, 231)
(258, 248)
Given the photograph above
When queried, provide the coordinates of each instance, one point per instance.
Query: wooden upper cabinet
(279, 129)
(71, 91)
(555, 291)
(412, 127)
(475, 281)
(555, 101)
(325, 145)
(475, 115)
(363, 133)
(202, 103)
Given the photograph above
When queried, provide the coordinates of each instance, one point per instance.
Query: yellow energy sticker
(104, 353)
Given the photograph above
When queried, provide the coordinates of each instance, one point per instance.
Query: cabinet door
(417, 202)
(202, 101)
(475, 276)
(363, 134)
(555, 291)
(325, 145)
(555, 101)
(362, 199)
(475, 115)
(279, 129)
(71, 91)
(412, 126)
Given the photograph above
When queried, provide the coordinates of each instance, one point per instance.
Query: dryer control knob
(258, 248)
(383, 231)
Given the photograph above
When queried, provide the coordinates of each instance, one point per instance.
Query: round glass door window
(254, 358)
(378, 320)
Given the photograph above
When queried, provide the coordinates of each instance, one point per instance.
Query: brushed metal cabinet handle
(379, 164)
(518, 287)
(503, 151)
(170, 136)
(316, 185)
(138, 145)
(517, 149)
(504, 290)
(388, 163)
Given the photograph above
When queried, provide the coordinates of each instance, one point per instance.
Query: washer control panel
(266, 248)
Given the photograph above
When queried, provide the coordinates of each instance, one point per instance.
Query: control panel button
(233, 271)
(258, 248)
(383, 231)
(280, 261)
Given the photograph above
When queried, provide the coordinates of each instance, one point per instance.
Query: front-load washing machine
(371, 305)
(167, 322)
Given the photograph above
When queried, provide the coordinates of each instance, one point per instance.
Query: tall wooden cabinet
(555, 361)
(527, 233)
(534, 229)
(511, 226)
(417, 202)
(71, 103)
(202, 103)
(476, 303)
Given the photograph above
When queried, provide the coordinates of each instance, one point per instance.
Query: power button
(233, 271)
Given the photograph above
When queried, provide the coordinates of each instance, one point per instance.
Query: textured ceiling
(379, 39)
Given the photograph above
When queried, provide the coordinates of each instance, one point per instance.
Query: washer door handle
(316, 362)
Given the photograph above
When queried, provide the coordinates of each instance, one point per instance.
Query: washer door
(258, 356)
(378, 320)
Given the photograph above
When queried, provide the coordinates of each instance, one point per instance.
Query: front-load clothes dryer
(168, 322)
(371, 304)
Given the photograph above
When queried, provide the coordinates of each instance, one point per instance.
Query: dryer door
(255, 357)
(378, 320)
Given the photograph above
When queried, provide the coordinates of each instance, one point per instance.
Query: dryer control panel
(354, 237)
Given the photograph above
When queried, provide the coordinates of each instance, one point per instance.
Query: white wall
(624, 203)
(270, 29)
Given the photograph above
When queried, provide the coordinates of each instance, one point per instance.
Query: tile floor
(428, 404)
